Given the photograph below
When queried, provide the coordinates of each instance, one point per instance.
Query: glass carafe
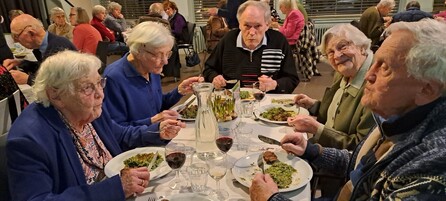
(206, 127)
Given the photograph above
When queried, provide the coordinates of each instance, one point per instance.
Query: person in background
(85, 36)
(5, 52)
(107, 35)
(115, 20)
(59, 146)
(60, 26)
(403, 158)
(29, 32)
(412, 13)
(241, 54)
(216, 28)
(302, 10)
(441, 16)
(374, 20)
(14, 13)
(177, 22)
(230, 13)
(294, 22)
(156, 14)
(274, 15)
(137, 74)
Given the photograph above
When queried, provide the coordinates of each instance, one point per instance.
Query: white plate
(176, 108)
(266, 107)
(116, 164)
(246, 167)
(186, 197)
(251, 93)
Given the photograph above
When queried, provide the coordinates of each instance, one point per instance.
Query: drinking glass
(175, 158)
(258, 94)
(217, 170)
(189, 151)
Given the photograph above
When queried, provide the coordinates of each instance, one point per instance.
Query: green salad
(277, 114)
(142, 160)
(281, 173)
(190, 112)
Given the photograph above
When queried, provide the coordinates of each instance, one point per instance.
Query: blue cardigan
(43, 163)
(130, 98)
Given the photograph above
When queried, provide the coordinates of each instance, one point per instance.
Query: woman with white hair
(59, 146)
(137, 74)
(294, 22)
(60, 26)
(99, 14)
(115, 20)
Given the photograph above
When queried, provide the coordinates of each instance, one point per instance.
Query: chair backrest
(190, 33)
(9, 110)
(101, 53)
(4, 189)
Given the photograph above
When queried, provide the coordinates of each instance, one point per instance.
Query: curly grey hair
(113, 5)
(60, 73)
(261, 5)
(426, 60)
(349, 32)
(387, 3)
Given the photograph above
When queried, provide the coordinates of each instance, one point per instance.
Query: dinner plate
(185, 197)
(264, 108)
(116, 164)
(176, 108)
(246, 167)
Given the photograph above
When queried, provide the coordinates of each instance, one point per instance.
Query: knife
(184, 106)
(269, 140)
(149, 167)
(260, 163)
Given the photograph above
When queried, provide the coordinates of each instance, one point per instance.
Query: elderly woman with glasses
(341, 121)
(134, 94)
(58, 147)
(60, 26)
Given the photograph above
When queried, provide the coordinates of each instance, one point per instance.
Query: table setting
(241, 142)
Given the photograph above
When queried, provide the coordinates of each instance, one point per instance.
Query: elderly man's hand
(11, 63)
(212, 11)
(304, 123)
(169, 128)
(134, 180)
(19, 76)
(166, 114)
(219, 82)
(267, 83)
(262, 187)
(185, 87)
(304, 101)
(294, 143)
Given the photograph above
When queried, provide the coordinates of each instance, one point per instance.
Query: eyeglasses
(341, 47)
(89, 88)
(17, 36)
(159, 56)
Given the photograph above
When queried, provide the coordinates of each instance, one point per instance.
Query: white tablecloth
(236, 190)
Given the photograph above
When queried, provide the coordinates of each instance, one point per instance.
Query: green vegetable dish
(281, 173)
(142, 160)
(190, 112)
(277, 114)
(244, 94)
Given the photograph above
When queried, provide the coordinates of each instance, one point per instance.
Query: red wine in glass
(224, 143)
(259, 96)
(176, 160)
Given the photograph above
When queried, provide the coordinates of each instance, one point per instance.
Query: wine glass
(258, 94)
(225, 140)
(217, 170)
(175, 158)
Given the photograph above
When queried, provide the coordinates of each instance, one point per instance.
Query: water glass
(243, 135)
(198, 176)
(247, 108)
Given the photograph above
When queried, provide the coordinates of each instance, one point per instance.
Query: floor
(314, 89)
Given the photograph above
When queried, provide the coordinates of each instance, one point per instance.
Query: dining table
(159, 187)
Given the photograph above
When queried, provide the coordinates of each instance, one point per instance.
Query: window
(438, 6)
(132, 9)
(340, 7)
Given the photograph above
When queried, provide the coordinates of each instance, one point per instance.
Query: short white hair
(60, 73)
(288, 3)
(347, 31)
(387, 3)
(260, 5)
(97, 9)
(151, 34)
(426, 60)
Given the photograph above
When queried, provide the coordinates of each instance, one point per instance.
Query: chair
(101, 53)
(188, 45)
(203, 31)
(9, 111)
(4, 188)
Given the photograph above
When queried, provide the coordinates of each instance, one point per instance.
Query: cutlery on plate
(269, 140)
(149, 167)
(291, 105)
(260, 162)
(184, 106)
